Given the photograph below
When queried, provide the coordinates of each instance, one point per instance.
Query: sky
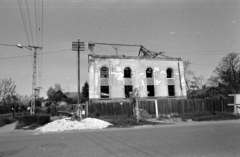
(201, 31)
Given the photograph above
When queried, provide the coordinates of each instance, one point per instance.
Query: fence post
(156, 107)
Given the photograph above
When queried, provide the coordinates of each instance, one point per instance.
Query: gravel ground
(68, 124)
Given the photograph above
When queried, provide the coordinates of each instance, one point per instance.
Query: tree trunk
(137, 111)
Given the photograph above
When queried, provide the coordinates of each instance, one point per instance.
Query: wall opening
(150, 89)
(104, 72)
(128, 89)
(169, 73)
(171, 90)
(104, 84)
(150, 84)
(127, 72)
(149, 72)
(104, 91)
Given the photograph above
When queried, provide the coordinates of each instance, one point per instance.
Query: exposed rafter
(143, 52)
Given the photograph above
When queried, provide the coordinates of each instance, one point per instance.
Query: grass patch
(6, 120)
(120, 122)
(32, 120)
(208, 116)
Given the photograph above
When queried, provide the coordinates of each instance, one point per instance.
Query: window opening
(127, 72)
(104, 72)
(171, 90)
(128, 89)
(150, 89)
(169, 73)
(104, 91)
(149, 72)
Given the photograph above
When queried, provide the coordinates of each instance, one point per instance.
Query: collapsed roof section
(143, 52)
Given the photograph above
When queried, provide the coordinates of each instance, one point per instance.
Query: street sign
(78, 46)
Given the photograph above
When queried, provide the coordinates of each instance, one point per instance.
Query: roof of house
(214, 88)
(71, 94)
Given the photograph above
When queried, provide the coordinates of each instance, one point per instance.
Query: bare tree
(7, 90)
(198, 82)
(188, 74)
(134, 98)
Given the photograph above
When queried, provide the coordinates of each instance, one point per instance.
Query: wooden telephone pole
(78, 46)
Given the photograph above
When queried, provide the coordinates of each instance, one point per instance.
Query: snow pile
(68, 124)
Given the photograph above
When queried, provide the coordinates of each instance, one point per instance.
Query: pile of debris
(68, 124)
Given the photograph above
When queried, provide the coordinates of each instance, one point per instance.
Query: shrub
(207, 116)
(5, 109)
(32, 119)
(127, 122)
(6, 120)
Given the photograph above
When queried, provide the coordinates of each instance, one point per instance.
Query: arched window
(127, 72)
(169, 73)
(149, 72)
(104, 72)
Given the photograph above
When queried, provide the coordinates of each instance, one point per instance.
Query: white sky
(201, 31)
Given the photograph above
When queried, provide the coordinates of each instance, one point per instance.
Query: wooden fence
(165, 106)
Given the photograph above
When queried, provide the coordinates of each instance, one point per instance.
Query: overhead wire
(30, 23)
(226, 51)
(25, 26)
(24, 20)
(42, 27)
(33, 39)
(36, 20)
(104, 49)
(38, 54)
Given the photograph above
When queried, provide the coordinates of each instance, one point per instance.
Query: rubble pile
(68, 124)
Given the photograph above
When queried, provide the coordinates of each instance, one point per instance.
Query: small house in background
(207, 92)
(153, 74)
(73, 95)
(214, 92)
(57, 97)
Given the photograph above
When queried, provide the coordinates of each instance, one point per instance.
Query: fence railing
(164, 106)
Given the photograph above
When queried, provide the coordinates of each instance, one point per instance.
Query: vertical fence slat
(165, 106)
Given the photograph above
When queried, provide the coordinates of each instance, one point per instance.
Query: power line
(30, 23)
(24, 20)
(36, 20)
(42, 26)
(31, 55)
(104, 49)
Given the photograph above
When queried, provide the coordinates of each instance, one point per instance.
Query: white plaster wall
(116, 80)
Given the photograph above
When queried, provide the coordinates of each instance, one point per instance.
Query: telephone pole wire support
(78, 46)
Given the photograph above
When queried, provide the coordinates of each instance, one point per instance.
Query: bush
(5, 109)
(127, 122)
(207, 116)
(6, 120)
(32, 119)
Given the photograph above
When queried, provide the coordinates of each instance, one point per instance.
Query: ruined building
(153, 74)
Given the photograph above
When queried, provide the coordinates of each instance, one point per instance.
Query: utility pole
(78, 46)
(34, 89)
(34, 86)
